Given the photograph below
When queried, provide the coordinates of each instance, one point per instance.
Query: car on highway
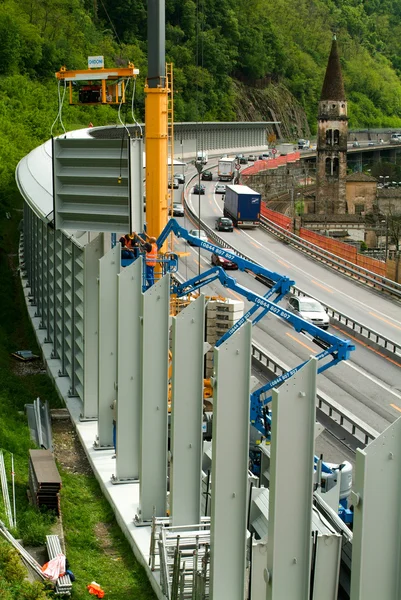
(303, 144)
(173, 184)
(178, 209)
(220, 188)
(199, 233)
(224, 224)
(219, 261)
(356, 144)
(199, 189)
(243, 160)
(252, 157)
(207, 176)
(309, 309)
(180, 177)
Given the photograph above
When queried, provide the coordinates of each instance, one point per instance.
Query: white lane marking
(372, 378)
(195, 251)
(320, 281)
(216, 203)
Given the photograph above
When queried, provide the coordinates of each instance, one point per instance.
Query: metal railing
(336, 262)
(344, 322)
(361, 332)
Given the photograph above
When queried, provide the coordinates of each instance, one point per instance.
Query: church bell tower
(331, 159)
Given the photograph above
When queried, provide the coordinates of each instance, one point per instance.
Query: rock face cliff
(272, 103)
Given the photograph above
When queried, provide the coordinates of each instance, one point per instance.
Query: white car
(220, 188)
(199, 233)
(310, 310)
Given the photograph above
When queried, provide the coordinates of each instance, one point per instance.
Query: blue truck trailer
(242, 205)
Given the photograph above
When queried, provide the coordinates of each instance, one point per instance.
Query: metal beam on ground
(230, 446)
(376, 496)
(154, 415)
(291, 486)
(129, 372)
(187, 413)
(109, 268)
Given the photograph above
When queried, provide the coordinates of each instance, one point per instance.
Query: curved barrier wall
(59, 276)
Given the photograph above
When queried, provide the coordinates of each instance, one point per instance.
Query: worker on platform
(127, 250)
(150, 247)
(135, 243)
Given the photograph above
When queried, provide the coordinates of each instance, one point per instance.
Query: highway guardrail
(340, 264)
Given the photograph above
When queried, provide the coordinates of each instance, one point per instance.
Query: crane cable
(111, 23)
(60, 107)
(119, 110)
(133, 109)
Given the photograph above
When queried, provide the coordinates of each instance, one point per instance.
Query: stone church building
(332, 134)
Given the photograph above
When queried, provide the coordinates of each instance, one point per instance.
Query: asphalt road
(369, 385)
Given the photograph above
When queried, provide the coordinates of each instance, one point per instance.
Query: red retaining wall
(335, 247)
(276, 217)
(372, 264)
(272, 163)
(345, 251)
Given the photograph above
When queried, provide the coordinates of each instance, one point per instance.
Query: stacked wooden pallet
(44, 480)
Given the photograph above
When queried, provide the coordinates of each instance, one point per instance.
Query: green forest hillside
(212, 43)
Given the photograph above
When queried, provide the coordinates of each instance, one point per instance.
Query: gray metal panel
(155, 334)
(136, 184)
(129, 371)
(376, 546)
(91, 184)
(230, 445)
(291, 484)
(93, 252)
(187, 414)
(327, 567)
(109, 267)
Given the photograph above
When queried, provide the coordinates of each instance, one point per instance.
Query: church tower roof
(333, 86)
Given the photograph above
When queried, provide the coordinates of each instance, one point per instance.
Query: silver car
(310, 310)
(198, 233)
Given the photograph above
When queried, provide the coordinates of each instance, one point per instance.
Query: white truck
(395, 138)
(202, 157)
(226, 168)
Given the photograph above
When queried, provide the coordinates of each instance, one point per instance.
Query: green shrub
(34, 526)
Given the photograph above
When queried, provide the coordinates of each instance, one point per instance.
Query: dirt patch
(35, 367)
(102, 533)
(67, 448)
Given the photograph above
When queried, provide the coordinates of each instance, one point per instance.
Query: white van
(202, 157)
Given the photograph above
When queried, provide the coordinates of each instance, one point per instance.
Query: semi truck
(242, 205)
(226, 168)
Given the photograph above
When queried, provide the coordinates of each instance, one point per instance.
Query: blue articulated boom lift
(334, 348)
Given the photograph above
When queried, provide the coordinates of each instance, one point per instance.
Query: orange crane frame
(102, 75)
